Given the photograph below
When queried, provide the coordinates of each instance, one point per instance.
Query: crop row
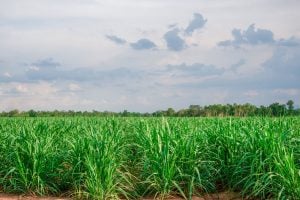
(111, 158)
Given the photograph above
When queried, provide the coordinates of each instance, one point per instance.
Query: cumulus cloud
(116, 39)
(197, 23)
(143, 44)
(172, 37)
(250, 36)
(174, 41)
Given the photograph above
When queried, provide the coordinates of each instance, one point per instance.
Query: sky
(147, 55)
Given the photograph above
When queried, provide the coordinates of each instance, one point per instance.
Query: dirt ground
(219, 196)
(20, 197)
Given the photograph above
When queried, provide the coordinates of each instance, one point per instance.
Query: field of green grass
(111, 158)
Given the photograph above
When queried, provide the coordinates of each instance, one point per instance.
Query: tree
(170, 112)
(125, 113)
(32, 113)
(290, 105)
(194, 110)
(182, 113)
(13, 113)
(277, 109)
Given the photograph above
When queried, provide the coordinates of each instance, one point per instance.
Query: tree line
(215, 110)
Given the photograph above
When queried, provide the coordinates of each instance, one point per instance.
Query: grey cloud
(196, 69)
(43, 74)
(4, 78)
(15, 91)
(172, 38)
(253, 36)
(46, 63)
(174, 41)
(226, 43)
(258, 81)
(172, 25)
(281, 70)
(291, 42)
(83, 74)
(143, 44)
(48, 70)
(79, 74)
(197, 23)
(116, 39)
(285, 63)
(235, 66)
(45, 69)
(12, 76)
(250, 36)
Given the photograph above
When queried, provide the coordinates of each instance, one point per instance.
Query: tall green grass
(111, 158)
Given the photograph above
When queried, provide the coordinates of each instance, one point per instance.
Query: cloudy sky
(146, 55)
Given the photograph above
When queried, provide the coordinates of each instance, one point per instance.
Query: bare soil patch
(217, 196)
(26, 197)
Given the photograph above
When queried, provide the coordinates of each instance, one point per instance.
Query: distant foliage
(215, 110)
